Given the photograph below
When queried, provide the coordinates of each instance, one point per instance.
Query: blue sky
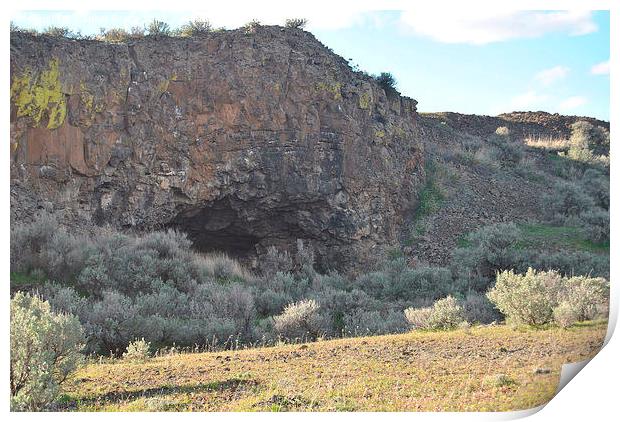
(462, 61)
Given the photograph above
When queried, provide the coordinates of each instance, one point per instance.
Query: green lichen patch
(39, 96)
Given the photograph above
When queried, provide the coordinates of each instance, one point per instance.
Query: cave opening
(217, 228)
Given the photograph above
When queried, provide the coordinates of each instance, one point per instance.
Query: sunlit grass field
(491, 368)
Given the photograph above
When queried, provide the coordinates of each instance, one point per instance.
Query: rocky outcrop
(243, 140)
(521, 123)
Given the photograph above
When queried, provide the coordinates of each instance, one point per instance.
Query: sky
(448, 59)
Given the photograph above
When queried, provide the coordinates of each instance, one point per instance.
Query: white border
(593, 394)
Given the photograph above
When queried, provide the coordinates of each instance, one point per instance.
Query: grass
(23, 280)
(429, 201)
(418, 371)
(552, 237)
(546, 237)
(547, 143)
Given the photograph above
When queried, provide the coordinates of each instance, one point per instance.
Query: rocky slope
(243, 140)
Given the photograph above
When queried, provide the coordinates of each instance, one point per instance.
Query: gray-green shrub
(300, 320)
(445, 314)
(45, 350)
(138, 350)
(526, 299)
(531, 298)
(568, 199)
(158, 28)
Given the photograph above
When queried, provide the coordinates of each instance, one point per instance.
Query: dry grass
(547, 143)
(418, 371)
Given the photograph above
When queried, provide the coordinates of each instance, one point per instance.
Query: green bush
(297, 23)
(479, 309)
(57, 31)
(138, 351)
(195, 27)
(565, 315)
(506, 151)
(567, 200)
(158, 28)
(588, 142)
(445, 314)
(526, 299)
(490, 249)
(532, 298)
(596, 184)
(595, 223)
(386, 81)
(45, 350)
(299, 320)
(116, 35)
(587, 296)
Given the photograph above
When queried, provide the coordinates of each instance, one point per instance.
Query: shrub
(251, 27)
(137, 32)
(57, 31)
(299, 320)
(274, 261)
(478, 308)
(45, 350)
(568, 263)
(502, 131)
(304, 259)
(595, 223)
(386, 81)
(491, 249)
(532, 297)
(445, 314)
(195, 27)
(498, 381)
(296, 23)
(568, 199)
(116, 35)
(587, 296)
(156, 28)
(597, 186)
(396, 280)
(506, 150)
(565, 315)
(361, 322)
(526, 299)
(138, 351)
(588, 142)
(419, 318)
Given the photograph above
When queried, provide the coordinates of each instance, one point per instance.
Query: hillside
(246, 191)
(475, 178)
(437, 371)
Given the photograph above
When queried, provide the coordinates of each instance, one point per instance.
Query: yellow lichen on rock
(333, 88)
(364, 101)
(40, 95)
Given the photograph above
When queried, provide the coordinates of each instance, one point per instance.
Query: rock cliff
(242, 140)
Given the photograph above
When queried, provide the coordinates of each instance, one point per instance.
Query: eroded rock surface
(241, 140)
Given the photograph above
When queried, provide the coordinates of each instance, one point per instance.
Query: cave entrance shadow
(218, 227)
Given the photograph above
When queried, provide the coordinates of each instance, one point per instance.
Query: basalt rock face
(241, 140)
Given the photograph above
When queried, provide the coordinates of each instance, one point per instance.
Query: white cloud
(549, 76)
(527, 101)
(482, 26)
(600, 68)
(573, 102)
